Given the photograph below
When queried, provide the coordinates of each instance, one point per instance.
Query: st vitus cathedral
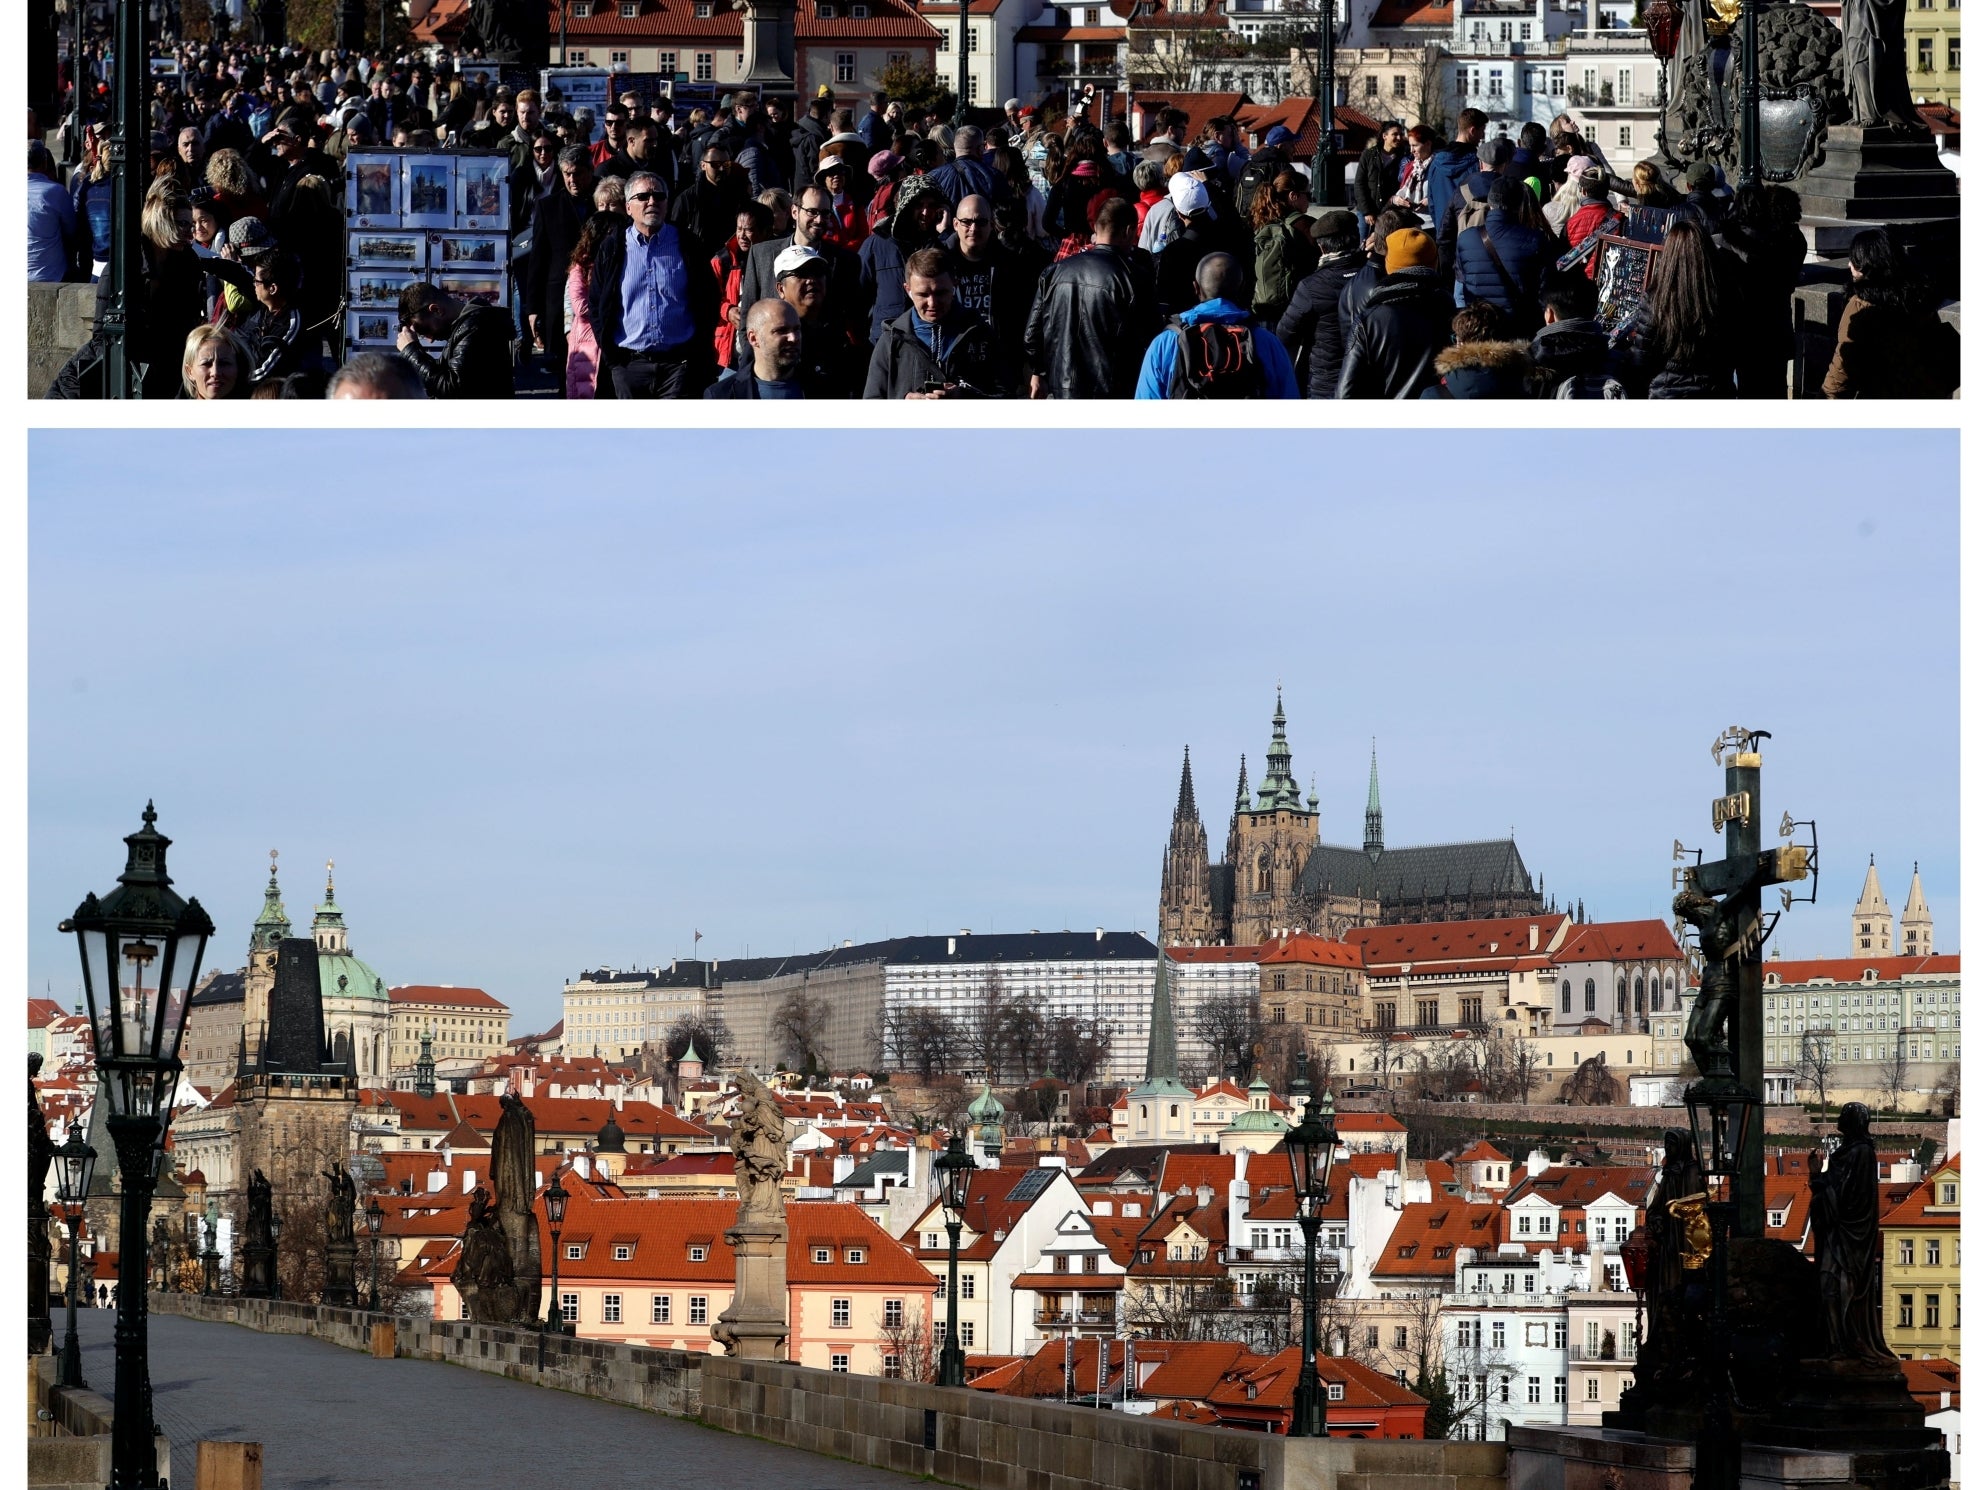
(1275, 872)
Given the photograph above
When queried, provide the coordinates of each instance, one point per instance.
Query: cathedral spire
(1916, 922)
(1870, 922)
(1185, 807)
(328, 925)
(1162, 1046)
(274, 922)
(1242, 786)
(424, 1068)
(1375, 839)
(1279, 789)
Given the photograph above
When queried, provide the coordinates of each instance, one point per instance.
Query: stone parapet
(60, 317)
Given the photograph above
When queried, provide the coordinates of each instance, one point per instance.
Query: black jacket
(1378, 178)
(902, 364)
(1358, 291)
(1310, 328)
(1574, 359)
(476, 362)
(1001, 289)
(603, 293)
(556, 221)
(1403, 327)
(711, 212)
(809, 135)
(1094, 315)
(1180, 258)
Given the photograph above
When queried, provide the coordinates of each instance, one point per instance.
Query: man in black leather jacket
(1310, 326)
(1404, 324)
(1094, 315)
(475, 363)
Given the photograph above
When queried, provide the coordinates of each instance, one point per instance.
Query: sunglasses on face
(643, 196)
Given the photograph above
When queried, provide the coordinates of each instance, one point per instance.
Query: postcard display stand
(436, 215)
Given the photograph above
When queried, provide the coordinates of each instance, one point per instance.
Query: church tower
(1870, 924)
(1376, 841)
(1915, 925)
(1273, 839)
(271, 927)
(1186, 910)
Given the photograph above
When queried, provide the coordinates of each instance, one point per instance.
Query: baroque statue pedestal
(754, 1328)
(339, 1271)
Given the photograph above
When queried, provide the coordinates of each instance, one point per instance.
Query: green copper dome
(986, 1107)
(1253, 1121)
(339, 973)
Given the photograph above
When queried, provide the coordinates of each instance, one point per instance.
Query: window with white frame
(665, 63)
(1593, 1388)
(824, 1254)
(623, 1251)
(569, 1307)
(966, 1286)
(1335, 1391)
(838, 1314)
(698, 1251)
(839, 1362)
(700, 1309)
(610, 1308)
(966, 1333)
(854, 1257)
(1531, 1389)
(893, 1314)
(706, 67)
(659, 1308)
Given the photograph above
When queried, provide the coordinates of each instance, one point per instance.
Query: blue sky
(541, 726)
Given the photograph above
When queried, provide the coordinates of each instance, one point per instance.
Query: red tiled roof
(1505, 939)
(1851, 969)
(1369, 1122)
(1618, 941)
(1915, 1209)
(434, 993)
(42, 1013)
(1299, 947)
(1931, 1380)
(1425, 1227)
(1415, 13)
(566, 1116)
(1483, 1151)
(1275, 1383)
(1183, 954)
(1192, 1368)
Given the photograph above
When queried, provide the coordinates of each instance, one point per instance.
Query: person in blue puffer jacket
(1503, 261)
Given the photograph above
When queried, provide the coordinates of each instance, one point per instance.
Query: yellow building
(1921, 1267)
(1931, 44)
(465, 1023)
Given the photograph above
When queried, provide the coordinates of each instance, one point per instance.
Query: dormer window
(853, 1257)
(931, 1241)
(630, 9)
(698, 1251)
(824, 11)
(1334, 1391)
(824, 1254)
(623, 1251)
(703, 10)
(575, 1251)
(582, 10)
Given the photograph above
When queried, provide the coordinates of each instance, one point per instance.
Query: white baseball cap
(1189, 196)
(794, 259)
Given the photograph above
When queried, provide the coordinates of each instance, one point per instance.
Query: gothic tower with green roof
(1274, 836)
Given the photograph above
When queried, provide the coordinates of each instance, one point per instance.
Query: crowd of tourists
(753, 250)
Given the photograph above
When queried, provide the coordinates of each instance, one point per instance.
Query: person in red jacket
(755, 222)
(838, 178)
(1592, 215)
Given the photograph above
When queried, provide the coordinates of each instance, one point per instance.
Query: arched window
(1638, 994)
(1263, 873)
(1621, 995)
(1566, 996)
(1590, 995)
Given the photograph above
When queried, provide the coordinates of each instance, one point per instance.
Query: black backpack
(1218, 360)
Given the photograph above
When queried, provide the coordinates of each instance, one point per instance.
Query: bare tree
(909, 1341)
(1814, 1062)
(711, 1035)
(1894, 1073)
(1182, 1309)
(919, 1038)
(985, 1029)
(1025, 1034)
(1231, 1026)
(800, 1020)
(1077, 1047)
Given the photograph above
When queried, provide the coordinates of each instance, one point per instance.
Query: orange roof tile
(1424, 1229)
(1917, 1208)
(434, 993)
(1450, 944)
(1850, 969)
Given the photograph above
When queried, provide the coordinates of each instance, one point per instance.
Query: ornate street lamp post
(1324, 164)
(75, 1166)
(374, 1216)
(1311, 1145)
(955, 1175)
(210, 1261)
(1720, 1122)
(555, 1217)
(130, 160)
(959, 105)
(141, 947)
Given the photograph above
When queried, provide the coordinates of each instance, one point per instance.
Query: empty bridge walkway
(330, 1418)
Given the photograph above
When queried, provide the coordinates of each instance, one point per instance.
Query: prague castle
(1277, 873)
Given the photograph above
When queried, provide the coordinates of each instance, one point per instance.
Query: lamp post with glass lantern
(955, 1174)
(555, 1218)
(1721, 1118)
(1311, 1145)
(141, 946)
(75, 1166)
(374, 1216)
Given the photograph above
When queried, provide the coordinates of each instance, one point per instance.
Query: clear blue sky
(540, 727)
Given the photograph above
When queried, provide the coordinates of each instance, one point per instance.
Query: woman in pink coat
(582, 346)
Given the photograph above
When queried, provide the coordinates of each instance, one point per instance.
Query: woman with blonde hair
(234, 186)
(214, 365)
(170, 299)
(91, 189)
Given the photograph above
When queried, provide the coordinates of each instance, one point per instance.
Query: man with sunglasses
(813, 217)
(653, 302)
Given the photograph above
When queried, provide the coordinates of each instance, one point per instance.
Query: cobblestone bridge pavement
(329, 1417)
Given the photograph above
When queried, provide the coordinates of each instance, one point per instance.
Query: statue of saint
(343, 1201)
(1721, 933)
(1848, 1245)
(1873, 67)
(41, 1154)
(261, 1209)
(485, 1262)
(759, 1147)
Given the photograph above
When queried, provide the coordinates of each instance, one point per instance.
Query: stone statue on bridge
(1849, 1247)
(41, 1154)
(498, 1269)
(755, 1326)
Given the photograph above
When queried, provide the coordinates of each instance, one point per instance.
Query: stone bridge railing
(953, 1434)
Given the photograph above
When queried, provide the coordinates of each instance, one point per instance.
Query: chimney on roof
(1204, 1195)
(951, 945)
(468, 1179)
(1100, 933)
(1535, 936)
(437, 1178)
(965, 931)
(847, 943)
